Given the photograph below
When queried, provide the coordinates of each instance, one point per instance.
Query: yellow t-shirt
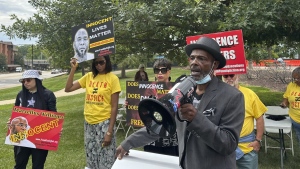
(97, 107)
(254, 109)
(292, 93)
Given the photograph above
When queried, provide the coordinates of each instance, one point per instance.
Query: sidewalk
(62, 92)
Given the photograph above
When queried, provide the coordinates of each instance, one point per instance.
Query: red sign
(34, 128)
(232, 48)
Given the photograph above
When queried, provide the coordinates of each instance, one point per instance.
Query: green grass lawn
(71, 155)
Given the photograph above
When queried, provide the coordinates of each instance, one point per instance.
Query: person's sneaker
(86, 168)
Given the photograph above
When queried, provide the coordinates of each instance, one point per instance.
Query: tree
(269, 23)
(157, 27)
(23, 50)
(18, 59)
(142, 27)
(3, 62)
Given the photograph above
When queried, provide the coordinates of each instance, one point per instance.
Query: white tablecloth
(144, 160)
(277, 110)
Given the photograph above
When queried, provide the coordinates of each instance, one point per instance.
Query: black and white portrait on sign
(81, 46)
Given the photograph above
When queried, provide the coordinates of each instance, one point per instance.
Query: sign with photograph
(93, 39)
(139, 90)
(34, 128)
(232, 48)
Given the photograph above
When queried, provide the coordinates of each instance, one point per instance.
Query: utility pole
(32, 56)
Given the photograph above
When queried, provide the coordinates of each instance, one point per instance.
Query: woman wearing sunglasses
(100, 110)
(291, 100)
(33, 95)
(166, 146)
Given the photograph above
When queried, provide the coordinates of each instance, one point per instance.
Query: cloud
(22, 9)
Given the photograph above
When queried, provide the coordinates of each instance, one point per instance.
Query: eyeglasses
(296, 79)
(25, 80)
(22, 125)
(162, 70)
(226, 76)
(101, 62)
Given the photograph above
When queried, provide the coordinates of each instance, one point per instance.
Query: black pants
(172, 150)
(22, 155)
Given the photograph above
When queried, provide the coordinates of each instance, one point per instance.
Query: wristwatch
(108, 133)
(260, 141)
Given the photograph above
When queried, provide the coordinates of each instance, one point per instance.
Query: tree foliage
(18, 59)
(3, 63)
(145, 28)
(270, 28)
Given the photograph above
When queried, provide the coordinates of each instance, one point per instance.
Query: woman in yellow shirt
(100, 111)
(291, 99)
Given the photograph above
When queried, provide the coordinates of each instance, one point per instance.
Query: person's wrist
(259, 141)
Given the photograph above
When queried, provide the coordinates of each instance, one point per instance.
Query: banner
(232, 48)
(93, 39)
(139, 90)
(34, 128)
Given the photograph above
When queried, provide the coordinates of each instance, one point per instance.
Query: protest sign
(232, 48)
(34, 128)
(93, 39)
(139, 90)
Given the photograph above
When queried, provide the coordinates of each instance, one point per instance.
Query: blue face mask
(207, 78)
(204, 80)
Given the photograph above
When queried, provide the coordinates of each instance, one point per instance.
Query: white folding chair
(286, 131)
(130, 128)
(121, 119)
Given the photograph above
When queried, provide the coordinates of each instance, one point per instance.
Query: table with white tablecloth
(144, 160)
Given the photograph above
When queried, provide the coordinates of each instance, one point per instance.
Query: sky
(22, 9)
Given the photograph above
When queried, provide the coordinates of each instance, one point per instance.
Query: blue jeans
(248, 161)
(296, 127)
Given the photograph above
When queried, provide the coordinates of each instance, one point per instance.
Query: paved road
(8, 80)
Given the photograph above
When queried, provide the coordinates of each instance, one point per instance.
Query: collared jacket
(210, 140)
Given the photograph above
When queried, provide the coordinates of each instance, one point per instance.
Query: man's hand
(256, 145)
(120, 152)
(187, 112)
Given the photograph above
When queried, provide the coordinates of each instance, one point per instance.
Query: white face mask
(206, 78)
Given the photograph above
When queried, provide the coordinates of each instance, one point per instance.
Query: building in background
(9, 50)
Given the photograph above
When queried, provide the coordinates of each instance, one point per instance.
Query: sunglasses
(25, 80)
(226, 76)
(162, 70)
(101, 62)
(296, 79)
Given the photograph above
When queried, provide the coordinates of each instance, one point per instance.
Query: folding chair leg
(292, 145)
(130, 127)
(266, 146)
